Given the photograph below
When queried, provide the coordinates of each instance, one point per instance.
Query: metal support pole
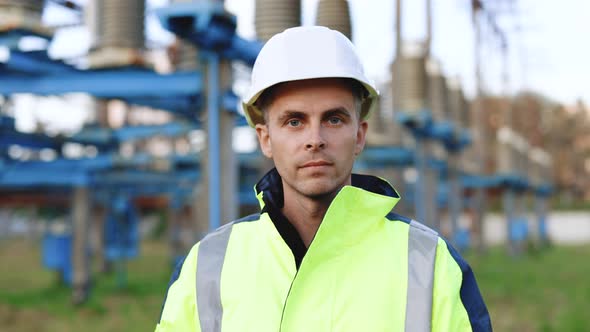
(174, 228)
(420, 185)
(98, 219)
(213, 140)
(520, 231)
(508, 198)
(541, 212)
(455, 201)
(480, 134)
(229, 161)
(80, 264)
(430, 183)
(425, 198)
(119, 207)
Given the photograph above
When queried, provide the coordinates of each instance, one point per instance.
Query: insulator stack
(540, 166)
(119, 24)
(186, 54)
(378, 133)
(504, 156)
(469, 157)
(35, 6)
(274, 16)
(116, 28)
(466, 117)
(519, 150)
(456, 102)
(389, 125)
(437, 91)
(25, 14)
(335, 14)
(409, 84)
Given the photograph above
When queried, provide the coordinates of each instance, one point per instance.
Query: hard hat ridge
(305, 53)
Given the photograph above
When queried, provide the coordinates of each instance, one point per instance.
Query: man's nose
(315, 139)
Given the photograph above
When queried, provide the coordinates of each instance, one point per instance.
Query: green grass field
(547, 291)
(543, 291)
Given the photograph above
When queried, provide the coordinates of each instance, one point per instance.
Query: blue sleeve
(471, 296)
(173, 278)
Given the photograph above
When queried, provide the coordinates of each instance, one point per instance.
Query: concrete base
(113, 57)
(19, 18)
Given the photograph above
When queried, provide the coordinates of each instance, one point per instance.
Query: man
(325, 253)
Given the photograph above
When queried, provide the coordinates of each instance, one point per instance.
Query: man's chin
(320, 191)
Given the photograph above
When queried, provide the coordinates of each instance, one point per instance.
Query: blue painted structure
(213, 30)
(425, 130)
(108, 174)
(56, 249)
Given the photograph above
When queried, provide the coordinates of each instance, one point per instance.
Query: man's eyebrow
(337, 111)
(288, 114)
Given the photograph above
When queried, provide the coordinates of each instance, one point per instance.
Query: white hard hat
(304, 53)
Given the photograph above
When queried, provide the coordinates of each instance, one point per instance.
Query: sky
(547, 52)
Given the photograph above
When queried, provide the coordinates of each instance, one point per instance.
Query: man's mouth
(316, 163)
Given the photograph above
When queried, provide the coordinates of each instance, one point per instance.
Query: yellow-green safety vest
(367, 269)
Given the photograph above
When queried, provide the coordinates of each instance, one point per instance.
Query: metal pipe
(420, 161)
(455, 196)
(480, 137)
(508, 198)
(214, 146)
(80, 262)
(541, 212)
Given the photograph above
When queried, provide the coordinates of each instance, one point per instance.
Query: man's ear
(361, 136)
(264, 139)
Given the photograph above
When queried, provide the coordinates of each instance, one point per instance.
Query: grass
(32, 299)
(545, 291)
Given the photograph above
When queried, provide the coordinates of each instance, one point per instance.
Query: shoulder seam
(252, 217)
(418, 225)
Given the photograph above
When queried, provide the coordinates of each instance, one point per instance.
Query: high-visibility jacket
(367, 269)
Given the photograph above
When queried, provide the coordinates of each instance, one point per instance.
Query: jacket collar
(271, 186)
(357, 211)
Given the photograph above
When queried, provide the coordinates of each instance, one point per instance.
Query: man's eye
(335, 120)
(294, 123)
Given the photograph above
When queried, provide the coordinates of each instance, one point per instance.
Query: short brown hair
(359, 92)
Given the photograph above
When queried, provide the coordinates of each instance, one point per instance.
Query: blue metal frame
(384, 156)
(208, 25)
(212, 29)
(34, 63)
(11, 38)
(35, 141)
(127, 83)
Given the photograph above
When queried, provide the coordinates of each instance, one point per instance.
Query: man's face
(313, 135)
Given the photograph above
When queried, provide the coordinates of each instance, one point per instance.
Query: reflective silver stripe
(209, 264)
(422, 244)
